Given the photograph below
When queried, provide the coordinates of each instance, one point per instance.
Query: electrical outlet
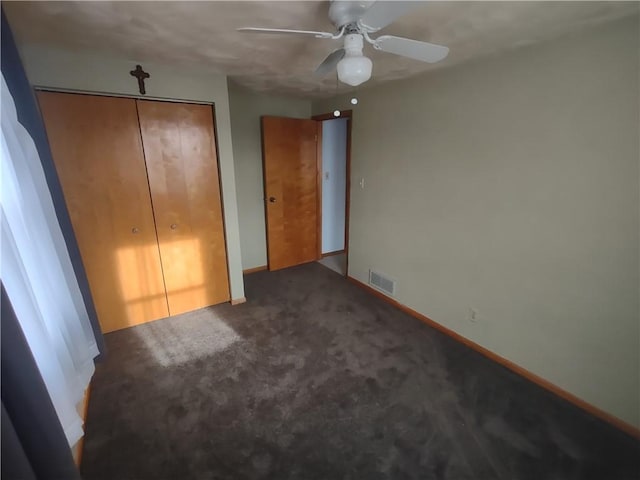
(473, 315)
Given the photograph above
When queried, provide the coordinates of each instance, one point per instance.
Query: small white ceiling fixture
(355, 20)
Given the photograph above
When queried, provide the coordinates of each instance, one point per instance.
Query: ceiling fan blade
(285, 31)
(382, 13)
(329, 63)
(423, 51)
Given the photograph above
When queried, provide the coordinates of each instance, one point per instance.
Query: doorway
(333, 190)
(306, 168)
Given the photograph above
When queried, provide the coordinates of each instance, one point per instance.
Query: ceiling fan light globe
(354, 70)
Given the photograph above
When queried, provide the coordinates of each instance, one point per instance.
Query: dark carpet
(314, 378)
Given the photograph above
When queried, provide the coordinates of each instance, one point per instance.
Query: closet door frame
(177, 101)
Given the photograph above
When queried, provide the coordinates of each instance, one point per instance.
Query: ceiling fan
(355, 21)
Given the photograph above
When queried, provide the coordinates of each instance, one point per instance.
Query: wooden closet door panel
(96, 147)
(179, 145)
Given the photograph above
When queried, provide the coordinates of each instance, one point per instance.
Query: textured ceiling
(202, 34)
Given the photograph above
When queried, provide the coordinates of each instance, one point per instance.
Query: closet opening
(141, 181)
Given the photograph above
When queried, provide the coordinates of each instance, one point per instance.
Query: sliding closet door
(97, 150)
(179, 146)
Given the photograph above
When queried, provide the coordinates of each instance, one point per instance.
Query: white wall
(54, 68)
(511, 185)
(246, 110)
(334, 183)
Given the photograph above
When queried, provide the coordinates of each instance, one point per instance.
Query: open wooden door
(289, 150)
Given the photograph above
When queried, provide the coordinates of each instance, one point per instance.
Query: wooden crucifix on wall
(141, 75)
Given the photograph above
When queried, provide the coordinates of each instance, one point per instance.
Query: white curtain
(38, 276)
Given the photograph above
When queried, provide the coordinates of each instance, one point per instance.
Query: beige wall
(511, 186)
(246, 110)
(95, 73)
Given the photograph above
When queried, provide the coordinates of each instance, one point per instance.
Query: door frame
(348, 114)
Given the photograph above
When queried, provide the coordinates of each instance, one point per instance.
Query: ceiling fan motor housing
(343, 13)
